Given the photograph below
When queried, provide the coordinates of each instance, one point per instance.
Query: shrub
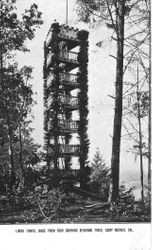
(127, 209)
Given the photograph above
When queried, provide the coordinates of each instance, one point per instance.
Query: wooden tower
(66, 102)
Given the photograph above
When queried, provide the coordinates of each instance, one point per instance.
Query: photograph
(75, 113)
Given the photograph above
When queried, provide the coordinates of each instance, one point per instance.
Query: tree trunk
(1, 52)
(12, 174)
(115, 161)
(22, 172)
(140, 137)
(149, 120)
(1, 64)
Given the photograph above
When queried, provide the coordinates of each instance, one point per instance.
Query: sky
(101, 70)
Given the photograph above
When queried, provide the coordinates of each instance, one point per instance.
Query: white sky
(101, 81)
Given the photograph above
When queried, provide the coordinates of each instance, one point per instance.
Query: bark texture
(115, 161)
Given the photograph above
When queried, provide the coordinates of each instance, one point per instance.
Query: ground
(83, 211)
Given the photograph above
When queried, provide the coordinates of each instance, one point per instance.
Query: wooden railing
(49, 78)
(69, 149)
(69, 78)
(49, 101)
(68, 55)
(69, 101)
(68, 32)
(68, 125)
(64, 149)
(48, 39)
(65, 32)
(49, 57)
(65, 125)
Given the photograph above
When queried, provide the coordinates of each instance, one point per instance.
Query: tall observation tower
(66, 102)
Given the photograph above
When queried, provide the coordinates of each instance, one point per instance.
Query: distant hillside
(132, 179)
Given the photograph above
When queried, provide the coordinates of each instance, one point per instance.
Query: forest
(28, 192)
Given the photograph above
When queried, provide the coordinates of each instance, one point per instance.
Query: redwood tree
(113, 13)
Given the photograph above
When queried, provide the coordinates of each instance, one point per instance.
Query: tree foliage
(100, 175)
(16, 94)
(127, 209)
(16, 31)
(129, 22)
(83, 98)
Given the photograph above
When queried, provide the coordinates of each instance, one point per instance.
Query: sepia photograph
(75, 112)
